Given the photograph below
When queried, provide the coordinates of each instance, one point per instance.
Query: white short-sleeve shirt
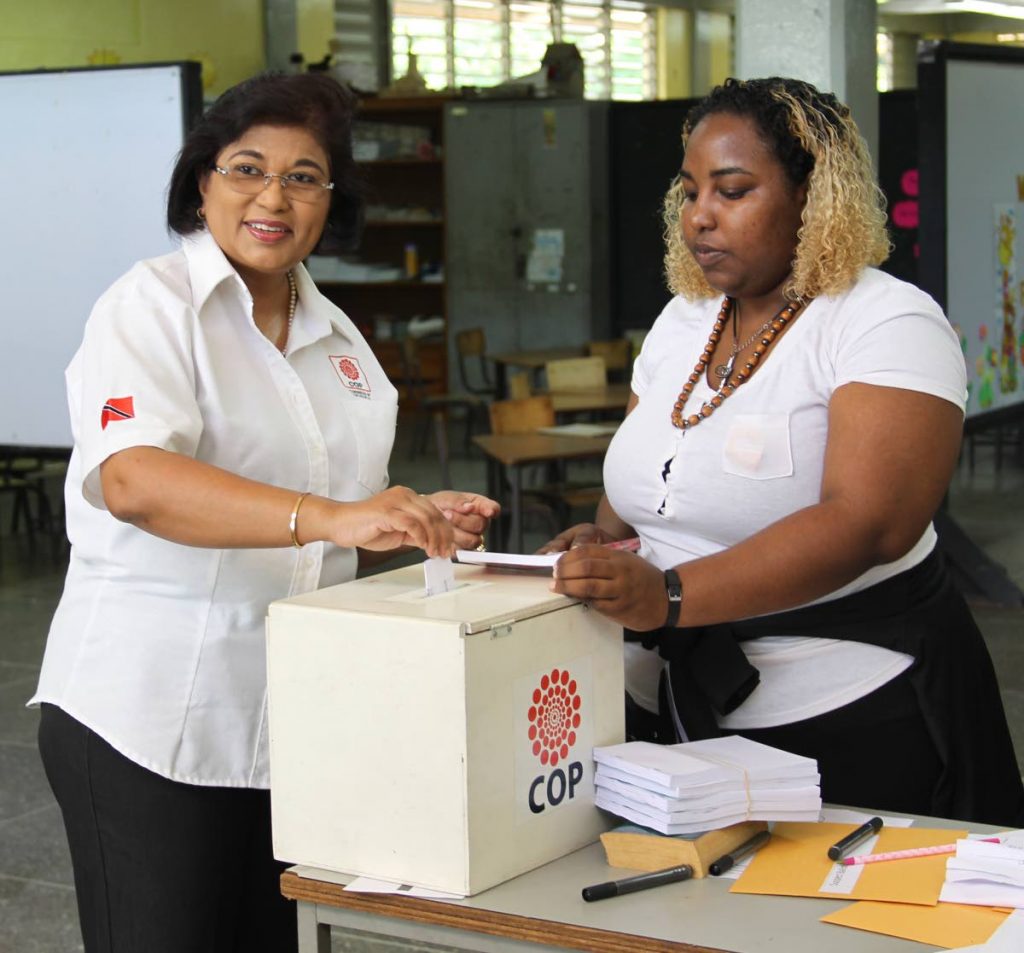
(760, 457)
(157, 646)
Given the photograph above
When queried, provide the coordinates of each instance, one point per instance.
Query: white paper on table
(999, 869)
(438, 575)
(580, 430)
(982, 893)
(369, 885)
(841, 815)
(986, 873)
(982, 874)
(756, 798)
(698, 762)
(978, 849)
(608, 772)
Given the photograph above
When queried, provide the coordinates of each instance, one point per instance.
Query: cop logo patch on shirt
(117, 408)
(351, 374)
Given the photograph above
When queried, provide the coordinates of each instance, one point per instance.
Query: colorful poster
(1009, 299)
(999, 349)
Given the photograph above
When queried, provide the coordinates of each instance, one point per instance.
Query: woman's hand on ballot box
(438, 524)
(620, 585)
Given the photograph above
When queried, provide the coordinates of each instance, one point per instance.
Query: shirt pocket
(373, 424)
(757, 447)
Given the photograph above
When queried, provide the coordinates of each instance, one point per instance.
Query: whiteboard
(86, 159)
(985, 226)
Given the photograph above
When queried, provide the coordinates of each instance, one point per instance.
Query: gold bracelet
(293, 520)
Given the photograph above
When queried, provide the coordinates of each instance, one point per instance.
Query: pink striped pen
(912, 852)
(629, 545)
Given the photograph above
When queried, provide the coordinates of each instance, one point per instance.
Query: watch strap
(674, 591)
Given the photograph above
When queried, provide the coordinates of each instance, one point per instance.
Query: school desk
(509, 453)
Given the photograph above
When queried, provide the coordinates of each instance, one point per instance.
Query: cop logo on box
(554, 738)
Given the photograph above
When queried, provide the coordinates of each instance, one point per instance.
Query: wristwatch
(674, 591)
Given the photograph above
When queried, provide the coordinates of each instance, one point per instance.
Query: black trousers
(874, 753)
(161, 866)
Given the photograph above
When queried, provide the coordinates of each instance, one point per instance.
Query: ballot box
(442, 741)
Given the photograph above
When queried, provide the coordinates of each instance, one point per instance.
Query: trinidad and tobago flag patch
(117, 408)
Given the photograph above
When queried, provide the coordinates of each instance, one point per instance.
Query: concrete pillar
(904, 60)
(830, 43)
(280, 24)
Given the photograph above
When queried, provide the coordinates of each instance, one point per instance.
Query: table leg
(515, 529)
(500, 380)
(314, 937)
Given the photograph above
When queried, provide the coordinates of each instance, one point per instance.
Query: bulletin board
(86, 160)
(972, 213)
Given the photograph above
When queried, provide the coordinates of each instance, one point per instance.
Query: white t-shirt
(760, 457)
(156, 646)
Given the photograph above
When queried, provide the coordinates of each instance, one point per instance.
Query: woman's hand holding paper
(582, 534)
(618, 584)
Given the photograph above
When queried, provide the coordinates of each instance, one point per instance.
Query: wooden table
(610, 397)
(512, 452)
(543, 910)
(533, 360)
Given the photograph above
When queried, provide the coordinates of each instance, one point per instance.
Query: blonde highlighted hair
(815, 139)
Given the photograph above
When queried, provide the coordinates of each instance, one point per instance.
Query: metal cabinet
(527, 212)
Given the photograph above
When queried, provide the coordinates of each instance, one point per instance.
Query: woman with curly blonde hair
(794, 422)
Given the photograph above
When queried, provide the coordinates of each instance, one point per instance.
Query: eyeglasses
(251, 179)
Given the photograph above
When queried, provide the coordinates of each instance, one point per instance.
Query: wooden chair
(519, 385)
(432, 409)
(576, 373)
(557, 497)
(617, 354)
(474, 371)
(523, 415)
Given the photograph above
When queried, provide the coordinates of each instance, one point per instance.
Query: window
(884, 75)
(485, 42)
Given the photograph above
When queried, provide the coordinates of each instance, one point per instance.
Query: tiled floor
(37, 912)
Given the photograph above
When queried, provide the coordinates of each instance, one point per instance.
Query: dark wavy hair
(312, 101)
(814, 138)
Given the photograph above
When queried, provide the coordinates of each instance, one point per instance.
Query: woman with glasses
(795, 420)
(232, 432)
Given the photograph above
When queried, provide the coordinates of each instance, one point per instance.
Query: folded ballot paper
(705, 785)
(985, 873)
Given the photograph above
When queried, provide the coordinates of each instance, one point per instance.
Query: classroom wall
(315, 27)
(226, 36)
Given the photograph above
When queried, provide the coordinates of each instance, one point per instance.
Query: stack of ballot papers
(705, 785)
(985, 873)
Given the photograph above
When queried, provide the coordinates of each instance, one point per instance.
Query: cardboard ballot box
(443, 741)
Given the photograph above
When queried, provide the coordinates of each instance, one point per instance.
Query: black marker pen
(726, 861)
(613, 888)
(851, 840)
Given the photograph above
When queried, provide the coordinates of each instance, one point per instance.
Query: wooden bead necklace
(771, 331)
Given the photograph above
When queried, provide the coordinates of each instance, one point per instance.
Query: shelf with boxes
(397, 275)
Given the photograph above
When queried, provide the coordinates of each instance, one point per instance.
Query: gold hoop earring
(201, 214)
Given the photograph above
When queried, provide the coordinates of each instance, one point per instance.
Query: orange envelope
(794, 863)
(949, 925)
